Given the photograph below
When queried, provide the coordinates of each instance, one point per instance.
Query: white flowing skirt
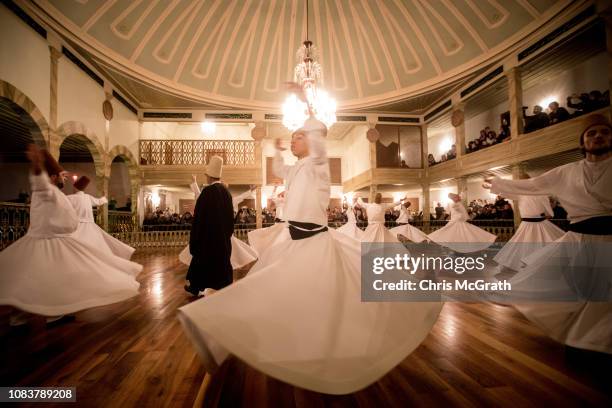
(92, 234)
(352, 230)
(461, 236)
(412, 233)
(299, 318)
(62, 275)
(582, 324)
(535, 234)
(377, 232)
(263, 239)
(242, 254)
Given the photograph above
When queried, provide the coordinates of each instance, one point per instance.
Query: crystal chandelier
(307, 73)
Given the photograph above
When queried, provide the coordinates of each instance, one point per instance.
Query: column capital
(55, 54)
(513, 71)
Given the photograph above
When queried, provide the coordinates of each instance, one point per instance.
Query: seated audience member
(439, 212)
(538, 120)
(471, 147)
(557, 113)
(596, 101)
(504, 132)
(578, 102)
(452, 153)
(431, 160)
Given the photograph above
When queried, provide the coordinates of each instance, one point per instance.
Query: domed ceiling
(237, 53)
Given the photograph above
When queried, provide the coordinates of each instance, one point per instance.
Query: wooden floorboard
(134, 353)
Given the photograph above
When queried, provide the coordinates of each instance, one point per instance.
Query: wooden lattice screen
(196, 152)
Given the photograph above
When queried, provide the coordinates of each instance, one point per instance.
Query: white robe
(350, 228)
(298, 315)
(88, 231)
(584, 189)
(242, 253)
(51, 272)
(530, 236)
(459, 235)
(412, 233)
(376, 230)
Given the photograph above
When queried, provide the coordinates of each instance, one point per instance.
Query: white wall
(24, 60)
(588, 76)
(193, 131)
(440, 195)
(124, 128)
(476, 191)
(439, 140)
(356, 153)
(80, 99)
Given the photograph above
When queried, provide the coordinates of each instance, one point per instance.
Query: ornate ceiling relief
(238, 52)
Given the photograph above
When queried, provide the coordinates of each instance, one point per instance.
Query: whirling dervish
(376, 230)
(50, 271)
(580, 260)
(88, 231)
(405, 229)
(298, 317)
(458, 234)
(534, 232)
(242, 253)
(350, 228)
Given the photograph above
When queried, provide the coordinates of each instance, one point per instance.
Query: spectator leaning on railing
(557, 114)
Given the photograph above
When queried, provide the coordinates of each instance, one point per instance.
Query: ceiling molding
(113, 59)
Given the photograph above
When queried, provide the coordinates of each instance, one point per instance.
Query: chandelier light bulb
(307, 73)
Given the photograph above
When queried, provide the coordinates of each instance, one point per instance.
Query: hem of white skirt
(588, 346)
(338, 387)
(67, 309)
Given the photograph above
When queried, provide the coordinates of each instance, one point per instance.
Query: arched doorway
(123, 187)
(17, 129)
(76, 158)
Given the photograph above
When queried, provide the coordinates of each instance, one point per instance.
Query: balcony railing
(14, 222)
(239, 153)
(120, 221)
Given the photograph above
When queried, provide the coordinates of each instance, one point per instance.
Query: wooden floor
(135, 354)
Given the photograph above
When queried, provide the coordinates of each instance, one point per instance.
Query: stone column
(424, 146)
(258, 215)
(55, 54)
(462, 189)
(515, 99)
(459, 125)
(102, 190)
(426, 207)
(372, 155)
(259, 162)
(134, 192)
(373, 191)
(518, 170)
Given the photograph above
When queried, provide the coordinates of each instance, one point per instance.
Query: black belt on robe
(538, 219)
(302, 230)
(593, 226)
